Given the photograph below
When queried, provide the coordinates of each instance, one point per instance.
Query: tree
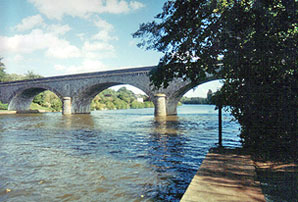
(40, 99)
(252, 44)
(14, 77)
(31, 75)
(2, 71)
(136, 105)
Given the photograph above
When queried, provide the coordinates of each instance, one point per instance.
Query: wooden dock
(226, 175)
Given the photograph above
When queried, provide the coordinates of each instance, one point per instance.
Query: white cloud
(38, 40)
(104, 35)
(29, 23)
(81, 36)
(62, 49)
(22, 43)
(58, 29)
(86, 66)
(136, 5)
(115, 6)
(36, 21)
(105, 31)
(97, 46)
(82, 8)
(100, 23)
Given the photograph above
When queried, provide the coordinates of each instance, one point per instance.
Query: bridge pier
(66, 110)
(160, 105)
(172, 107)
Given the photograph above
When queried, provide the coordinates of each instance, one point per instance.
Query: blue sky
(57, 37)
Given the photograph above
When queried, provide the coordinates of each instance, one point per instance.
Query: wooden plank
(225, 175)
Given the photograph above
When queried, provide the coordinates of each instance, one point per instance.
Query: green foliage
(121, 99)
(35, 106)
(14, 77)
(39, 99)
(199, 100)
(136, 105)
(3, 106)
(110, 105)
(194, 100)
(2, 71)
(48, 101)
(4, 77)
(148, 104)
(185, 32)
(56, 104)
(121, 104)
(252, 44)
(31, 75)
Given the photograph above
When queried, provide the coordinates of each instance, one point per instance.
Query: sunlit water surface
(123, 155)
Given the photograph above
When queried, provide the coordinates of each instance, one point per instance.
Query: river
(118, 155)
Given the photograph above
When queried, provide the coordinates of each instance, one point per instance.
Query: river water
(122, 155)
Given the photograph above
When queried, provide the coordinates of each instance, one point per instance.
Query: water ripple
(125, 155)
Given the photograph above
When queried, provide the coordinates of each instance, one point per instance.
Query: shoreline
(7, 112)
(4, 112)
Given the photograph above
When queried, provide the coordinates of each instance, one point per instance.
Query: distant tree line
(194, 100)
(120, 99)
(5, 77)
(198, 100)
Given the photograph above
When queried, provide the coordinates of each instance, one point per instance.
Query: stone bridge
(77, 91)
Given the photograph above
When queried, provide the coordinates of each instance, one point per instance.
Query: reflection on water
(124, 155)
(166, 125)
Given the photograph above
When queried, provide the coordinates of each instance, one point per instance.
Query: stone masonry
(77, 91)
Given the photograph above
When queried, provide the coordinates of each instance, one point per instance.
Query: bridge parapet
(121, 72)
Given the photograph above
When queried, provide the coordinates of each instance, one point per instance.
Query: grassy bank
(35, 106)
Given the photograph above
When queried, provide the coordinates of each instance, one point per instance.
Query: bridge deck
(225, 175)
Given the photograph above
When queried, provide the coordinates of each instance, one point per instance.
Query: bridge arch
(81, 102)
(21, 99)
(176, 95)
